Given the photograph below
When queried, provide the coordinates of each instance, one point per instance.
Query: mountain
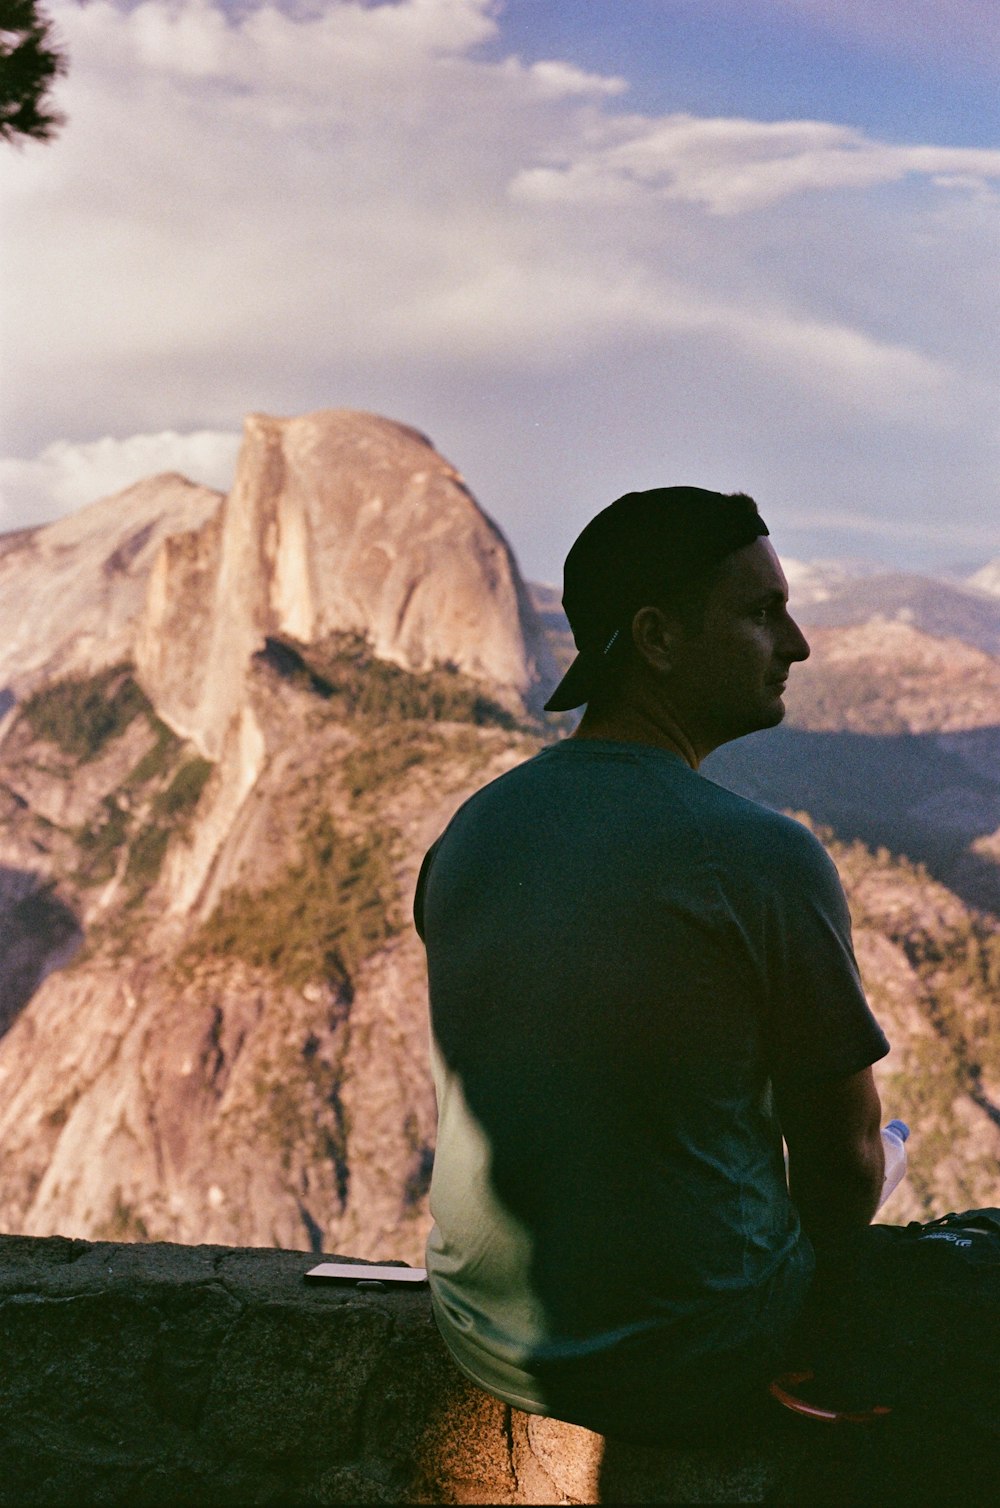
(931, 969)
(232, 727)
(240, 1057)
(987, 579)
(72, 592)
(336, 522)
(891, 736)
(547, 601)
(890, 677)
(812, 581)
(942, 609)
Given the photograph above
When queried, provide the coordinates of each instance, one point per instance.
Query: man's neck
(639, 725)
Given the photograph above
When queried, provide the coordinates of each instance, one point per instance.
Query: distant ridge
(987, 579)
(829, 597)
(937, 607)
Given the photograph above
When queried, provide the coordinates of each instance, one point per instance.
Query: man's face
(727, 678)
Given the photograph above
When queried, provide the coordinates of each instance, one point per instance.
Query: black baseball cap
(643, 547)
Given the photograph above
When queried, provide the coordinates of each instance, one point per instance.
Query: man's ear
(654, 635)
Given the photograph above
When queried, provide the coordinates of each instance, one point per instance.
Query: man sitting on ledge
(640, 984)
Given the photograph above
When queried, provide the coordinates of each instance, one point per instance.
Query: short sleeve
(819, 1025)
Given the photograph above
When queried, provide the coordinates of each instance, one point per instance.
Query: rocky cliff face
(931, 968)
(212, 1005)
(892, 678)
(253, 1066)
(336, 522)
(943, 609)
(72, 593)
(242, 1054)
(190, 677)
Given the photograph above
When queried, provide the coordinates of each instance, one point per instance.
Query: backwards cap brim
(577, 685)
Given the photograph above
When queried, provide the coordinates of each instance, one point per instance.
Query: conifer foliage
(30, 63)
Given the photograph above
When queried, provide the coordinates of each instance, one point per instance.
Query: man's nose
(797, 647)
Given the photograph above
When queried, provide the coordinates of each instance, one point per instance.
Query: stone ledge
(160, 1374)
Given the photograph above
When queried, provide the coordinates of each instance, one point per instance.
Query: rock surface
(184, 1092)
(72, 593)
(336, 522)
(155, 1375)
(188, 1088)
(887, 676)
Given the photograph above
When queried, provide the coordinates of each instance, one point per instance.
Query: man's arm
(836, 1161)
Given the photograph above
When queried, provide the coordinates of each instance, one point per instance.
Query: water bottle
(894, 1138)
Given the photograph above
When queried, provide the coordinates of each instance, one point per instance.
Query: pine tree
(30, 63)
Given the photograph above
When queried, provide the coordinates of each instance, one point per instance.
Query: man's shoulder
(509, 786)
(764, 835)
(651, 791)
(509, 789)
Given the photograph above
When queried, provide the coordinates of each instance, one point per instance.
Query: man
(639, 984)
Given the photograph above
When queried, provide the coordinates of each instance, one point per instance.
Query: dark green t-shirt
(623, 957)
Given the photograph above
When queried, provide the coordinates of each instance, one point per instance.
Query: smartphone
(364, 1272)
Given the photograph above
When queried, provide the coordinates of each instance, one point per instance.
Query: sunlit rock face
(158, 758)
(72, 592)
(336, 522)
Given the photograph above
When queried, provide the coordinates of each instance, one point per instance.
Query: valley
(221, 764)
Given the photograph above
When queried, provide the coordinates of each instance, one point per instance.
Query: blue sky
(586, 247)
(909, 70)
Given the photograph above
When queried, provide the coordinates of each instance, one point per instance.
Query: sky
(585, 247)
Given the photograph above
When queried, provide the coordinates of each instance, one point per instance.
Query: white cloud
(732, 166)
(843, 521)
(557, 80)
(356, 204)
(64, 477)
(269, 50)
